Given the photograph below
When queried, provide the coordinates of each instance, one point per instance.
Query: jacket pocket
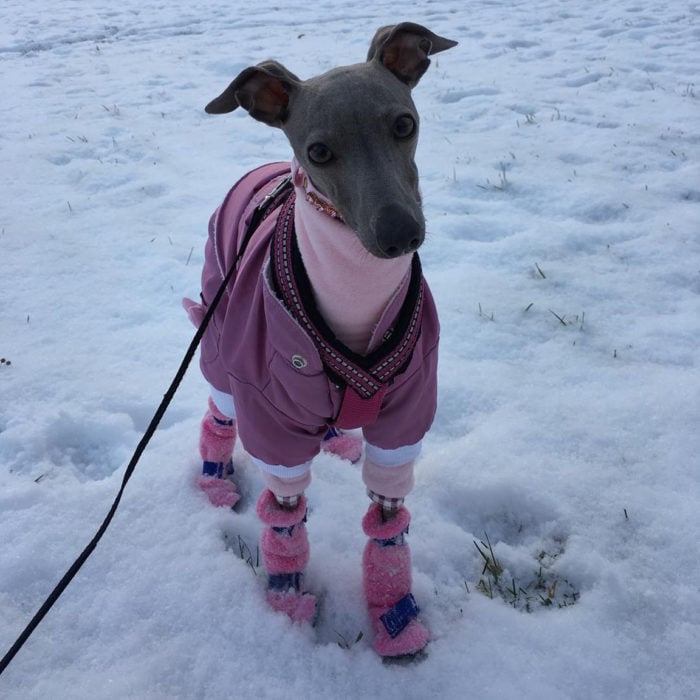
(298, 382)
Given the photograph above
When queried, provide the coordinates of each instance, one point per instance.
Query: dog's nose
(398, 232)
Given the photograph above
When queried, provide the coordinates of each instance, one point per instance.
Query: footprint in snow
(92, 446)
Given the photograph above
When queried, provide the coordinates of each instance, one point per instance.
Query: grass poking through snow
(541, 587)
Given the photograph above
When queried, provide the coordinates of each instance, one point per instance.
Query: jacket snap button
(299, 362)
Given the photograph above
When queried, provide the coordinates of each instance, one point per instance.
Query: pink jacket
(255, 350)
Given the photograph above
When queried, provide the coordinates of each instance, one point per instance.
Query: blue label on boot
(395, 619)
(284, 582)
(217, 469)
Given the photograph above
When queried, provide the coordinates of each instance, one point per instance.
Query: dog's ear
(263, 90)
(404, 49)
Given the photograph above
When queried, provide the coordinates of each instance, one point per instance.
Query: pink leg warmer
(285, 552)
(387, 583)
(216, 440)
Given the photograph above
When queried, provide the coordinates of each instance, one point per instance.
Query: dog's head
(354, 130)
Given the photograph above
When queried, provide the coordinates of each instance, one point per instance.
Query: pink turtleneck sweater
(351, 287)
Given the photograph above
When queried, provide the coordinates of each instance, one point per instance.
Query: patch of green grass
(542, 587)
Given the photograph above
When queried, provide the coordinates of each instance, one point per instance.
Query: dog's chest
(352, 289)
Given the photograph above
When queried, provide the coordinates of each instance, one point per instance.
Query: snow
(559, 165)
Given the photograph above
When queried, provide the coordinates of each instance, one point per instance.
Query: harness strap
(356, 411)
(365, 378)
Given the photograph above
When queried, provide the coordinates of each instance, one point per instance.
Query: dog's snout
(398, 232)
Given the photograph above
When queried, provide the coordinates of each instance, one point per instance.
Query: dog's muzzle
(398, 232)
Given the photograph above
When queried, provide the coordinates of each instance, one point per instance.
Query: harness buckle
(280, 187)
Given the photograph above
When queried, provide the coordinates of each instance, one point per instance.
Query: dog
(328, 324)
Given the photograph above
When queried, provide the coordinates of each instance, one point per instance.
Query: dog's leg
(387, 583)
(216, 441)
(285, 552)
(387, 558)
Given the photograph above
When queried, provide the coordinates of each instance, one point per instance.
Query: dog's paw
(221, 492)
(343, 445)
(299, 607)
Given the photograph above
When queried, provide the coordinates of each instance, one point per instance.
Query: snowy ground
(559, 160)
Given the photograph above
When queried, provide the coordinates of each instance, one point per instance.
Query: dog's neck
(352, 287)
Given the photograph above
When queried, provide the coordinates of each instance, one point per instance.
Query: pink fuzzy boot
(285, 553)
(342, 445)
(216, 440)
(387, 582)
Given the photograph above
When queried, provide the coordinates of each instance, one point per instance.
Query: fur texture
(387, 580)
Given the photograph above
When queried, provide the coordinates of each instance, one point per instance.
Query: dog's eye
(319, 153)
(404, 126)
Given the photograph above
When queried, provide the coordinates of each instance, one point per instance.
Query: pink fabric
(286, 487)
(390, 482)
(345, 446)
(373, 525)
(216, 441)
(351, 287)
(220, 492)
(356, 411)
(283, 552)
(286, 552)
(195, 312)
(298, 607)
(272, 514)
(216, 444)
(387, 579)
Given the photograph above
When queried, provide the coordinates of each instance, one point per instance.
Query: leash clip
(280, 187)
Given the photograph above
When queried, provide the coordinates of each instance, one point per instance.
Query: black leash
(271, 201)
